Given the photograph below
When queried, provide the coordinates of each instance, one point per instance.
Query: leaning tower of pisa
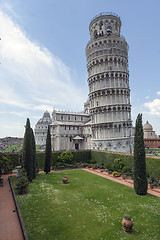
(108, 81)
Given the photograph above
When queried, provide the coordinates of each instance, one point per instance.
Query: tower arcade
(108, 81)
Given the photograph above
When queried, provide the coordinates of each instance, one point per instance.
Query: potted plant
(123, 176)
(65, 179)
(127, 223)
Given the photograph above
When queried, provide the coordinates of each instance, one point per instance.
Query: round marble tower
(108, 81)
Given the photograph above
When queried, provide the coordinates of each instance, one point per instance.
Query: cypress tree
(27, 152)
(48, 152)
(33, 154)
(140, 178)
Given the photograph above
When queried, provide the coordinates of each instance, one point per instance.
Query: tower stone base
(124, 145)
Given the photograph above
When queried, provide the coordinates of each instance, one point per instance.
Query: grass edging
(18, 212)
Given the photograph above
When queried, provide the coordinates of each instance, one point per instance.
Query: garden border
(25, 236)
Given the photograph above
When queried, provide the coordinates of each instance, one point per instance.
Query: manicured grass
(89, 207)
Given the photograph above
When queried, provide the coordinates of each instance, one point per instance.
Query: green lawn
(89, 207)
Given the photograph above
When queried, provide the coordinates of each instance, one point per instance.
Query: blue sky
(43, 64)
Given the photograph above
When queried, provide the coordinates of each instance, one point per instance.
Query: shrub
(119, 163)
(108, 166)
(114, 167)
(6, 164)
(23, 182)
(66, 157)
(126, 169)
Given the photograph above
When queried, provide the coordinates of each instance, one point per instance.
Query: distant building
(41, 129)
(10, 141)
(150, 138)
(148, 130)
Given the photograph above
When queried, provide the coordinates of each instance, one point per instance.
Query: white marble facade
(106, 121)
(41, 129)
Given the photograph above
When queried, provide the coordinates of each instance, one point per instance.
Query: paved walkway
(9, 223)
(126, 182)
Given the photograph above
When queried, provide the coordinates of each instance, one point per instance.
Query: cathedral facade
(106, 122)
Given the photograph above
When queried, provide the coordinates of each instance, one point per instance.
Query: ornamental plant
(140, 176)
(48, 153)
(66, 157)
(23, 182)
(116, 174)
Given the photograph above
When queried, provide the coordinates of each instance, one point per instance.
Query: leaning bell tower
(108, 81)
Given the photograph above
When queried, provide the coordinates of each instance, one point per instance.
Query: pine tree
(27, 156)
(48, 152)
(140, 178)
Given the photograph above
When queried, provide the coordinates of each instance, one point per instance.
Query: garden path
(126, 182)
(9, 222)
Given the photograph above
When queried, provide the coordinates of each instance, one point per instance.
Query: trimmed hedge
(106, 157)
(78, 156)
(152, 164)
(14, 157)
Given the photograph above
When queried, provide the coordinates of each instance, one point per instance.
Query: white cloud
(32, 79)
(158, 93)
(31, 72)
(42, 107)
(153, 106)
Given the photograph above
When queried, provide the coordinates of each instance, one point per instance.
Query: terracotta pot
(127, 225)
(65, 180)
(123, 176)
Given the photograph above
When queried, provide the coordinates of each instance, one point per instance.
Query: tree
(48, 152)
(140, 177)
(29, 152)
(33, 154)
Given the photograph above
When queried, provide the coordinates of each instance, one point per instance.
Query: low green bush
(126, 169)
(22, 183)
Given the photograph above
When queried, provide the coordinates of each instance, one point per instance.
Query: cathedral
(106, 121)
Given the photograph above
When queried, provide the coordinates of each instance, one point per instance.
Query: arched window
(95, 34)
(116, 26)
(101, 26)
(109, 30)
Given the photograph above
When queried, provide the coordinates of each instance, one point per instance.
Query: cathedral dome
(46, 119)
(147, 127)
